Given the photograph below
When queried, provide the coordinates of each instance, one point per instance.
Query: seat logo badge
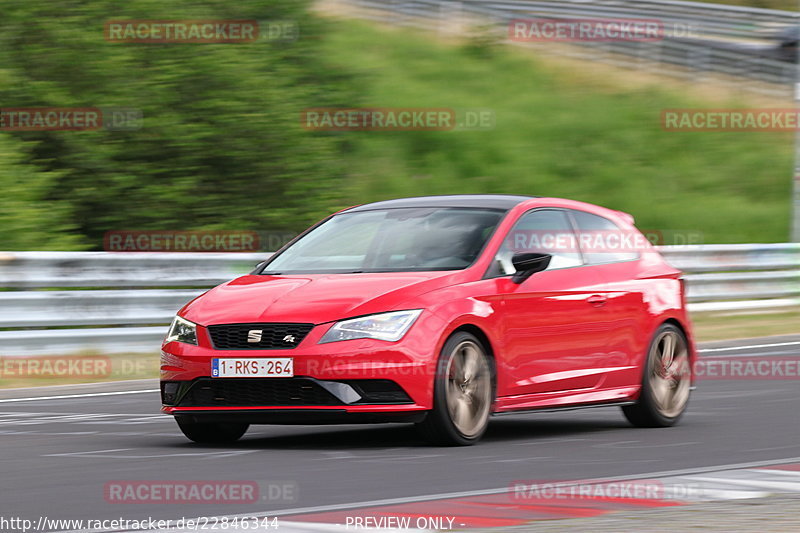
(254, 335)
(289, 339)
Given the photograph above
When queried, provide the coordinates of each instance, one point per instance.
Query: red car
(439, 311)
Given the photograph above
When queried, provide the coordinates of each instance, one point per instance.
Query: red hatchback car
(439, 311)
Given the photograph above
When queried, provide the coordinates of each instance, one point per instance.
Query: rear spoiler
(627, 217)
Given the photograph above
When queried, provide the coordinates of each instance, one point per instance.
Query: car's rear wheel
(463, 393)
(212, 433)
(667, 381)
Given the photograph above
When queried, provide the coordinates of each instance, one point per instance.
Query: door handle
(597, 300)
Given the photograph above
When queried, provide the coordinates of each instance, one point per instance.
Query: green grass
(786, 5)
(715, 326)
(559, 132)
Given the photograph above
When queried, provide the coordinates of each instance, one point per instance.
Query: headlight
(385, 326)
(182, 330)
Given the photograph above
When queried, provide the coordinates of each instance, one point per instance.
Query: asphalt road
(57, 455)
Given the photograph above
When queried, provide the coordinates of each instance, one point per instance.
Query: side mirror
(528, 264)
(258, 267)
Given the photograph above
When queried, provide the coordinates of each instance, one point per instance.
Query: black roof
(487, 201)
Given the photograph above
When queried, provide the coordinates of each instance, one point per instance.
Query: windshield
(390, 240)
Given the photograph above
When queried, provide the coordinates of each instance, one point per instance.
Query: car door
(553, 327)
(616, 261)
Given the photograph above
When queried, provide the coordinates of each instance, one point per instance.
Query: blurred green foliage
(27, 220)
(222, 146)
(579, 131)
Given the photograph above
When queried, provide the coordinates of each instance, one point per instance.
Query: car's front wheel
(667, 381)
(463, 393)
(212, 433)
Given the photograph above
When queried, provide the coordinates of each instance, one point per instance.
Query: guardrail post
(795, 236)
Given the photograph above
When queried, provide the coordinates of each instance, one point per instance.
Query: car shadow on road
(378, 436)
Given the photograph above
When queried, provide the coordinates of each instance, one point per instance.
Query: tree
(220, 147)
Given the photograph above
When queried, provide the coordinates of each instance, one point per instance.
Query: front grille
(269, 336)
(252, 392)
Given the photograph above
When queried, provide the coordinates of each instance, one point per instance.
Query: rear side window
(602, 241)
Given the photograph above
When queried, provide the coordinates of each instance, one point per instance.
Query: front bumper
(349, 381)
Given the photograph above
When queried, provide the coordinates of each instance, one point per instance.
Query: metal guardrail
(27, 270)
(732, 41)
(739, 276)
(65, 302)
(110, 293)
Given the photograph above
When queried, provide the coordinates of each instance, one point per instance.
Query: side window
(544, 231)
(602, 241)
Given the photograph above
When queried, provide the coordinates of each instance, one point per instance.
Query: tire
(463, 392)
(212, 433)
(666, 383)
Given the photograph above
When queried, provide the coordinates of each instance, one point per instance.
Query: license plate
(274, 367)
